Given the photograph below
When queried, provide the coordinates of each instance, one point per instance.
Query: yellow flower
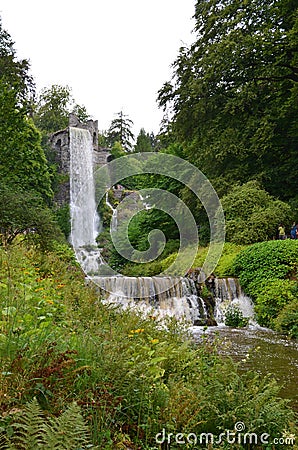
(154, 341)
(139, 330)
(50, 302)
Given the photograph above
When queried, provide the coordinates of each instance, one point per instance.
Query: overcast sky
(114, 54)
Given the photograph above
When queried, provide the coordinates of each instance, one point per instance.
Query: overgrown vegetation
(268, 273)
(129, 376)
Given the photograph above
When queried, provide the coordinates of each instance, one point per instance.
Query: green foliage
(234, 95)
(129, 375)
(266, 261)
(144, 142)
(14, 74)
(117, 150)
(24, 215)
(271, 300)
(33, 430)
(230, 251)
(22, 160)
(252, 215)
(287, 320)
(63, 219)
(53, 108)
(120, 131)
(234, 317)
(268, 272)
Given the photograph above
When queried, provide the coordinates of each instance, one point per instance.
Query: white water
(228, 294)
(114, 220)
(157, 296)
(84, 218)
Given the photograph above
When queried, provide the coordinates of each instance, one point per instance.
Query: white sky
(114, 54)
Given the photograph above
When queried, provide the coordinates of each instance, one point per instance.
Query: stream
(269, 353)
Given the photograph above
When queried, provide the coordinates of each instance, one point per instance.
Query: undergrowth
(129, 376)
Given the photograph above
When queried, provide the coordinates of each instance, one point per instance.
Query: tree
(252, 215)
(144, 142)
(14, 74)
(24, 215)
(120, 130)
(233, 96)
(22, 160)
(53, 108)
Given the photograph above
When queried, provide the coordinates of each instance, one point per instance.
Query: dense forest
(231, 110)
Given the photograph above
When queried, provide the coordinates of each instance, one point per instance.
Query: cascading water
(114, 220)
(84, 218)
(158, 296)
(228, 293)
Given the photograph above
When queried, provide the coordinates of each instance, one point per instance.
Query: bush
(234, 317)
(23, 214)
(287, 320)
(252, 215)
(268, 272)
(266, 261)
(274, 296)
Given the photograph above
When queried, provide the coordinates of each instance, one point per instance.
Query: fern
(32, 430)
(28, 429)
(68, 431)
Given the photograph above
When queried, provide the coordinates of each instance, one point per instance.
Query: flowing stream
(259, 349)
(253, 347)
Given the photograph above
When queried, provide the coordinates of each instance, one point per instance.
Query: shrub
(274, 296)
(287, 320)
(266, 261)
(234, 317)
(252, 214)
(268, 272)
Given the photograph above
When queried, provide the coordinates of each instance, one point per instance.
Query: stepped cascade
(158, 295)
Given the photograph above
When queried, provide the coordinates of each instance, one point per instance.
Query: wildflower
(154, 341)
(39, 289)
(60, 286)
(139, 330)
(50, 302)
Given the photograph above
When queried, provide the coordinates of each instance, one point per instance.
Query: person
(294, 231)
(281, 232)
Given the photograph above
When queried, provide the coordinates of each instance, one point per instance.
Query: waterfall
(84, 218)
(114, 220)
(158, 296)
(228, 294)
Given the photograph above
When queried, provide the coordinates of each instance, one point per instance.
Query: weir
(161, 296)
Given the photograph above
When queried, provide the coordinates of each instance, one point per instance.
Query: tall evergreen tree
(120, 131)
(144, 142)
(234, 94)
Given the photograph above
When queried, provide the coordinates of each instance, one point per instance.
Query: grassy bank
(128, 376)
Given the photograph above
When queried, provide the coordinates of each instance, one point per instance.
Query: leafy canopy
(22, 160)
(233, 96)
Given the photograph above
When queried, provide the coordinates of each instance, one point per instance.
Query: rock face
(60, 145)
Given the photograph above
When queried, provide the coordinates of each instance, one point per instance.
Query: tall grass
(130, 376)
